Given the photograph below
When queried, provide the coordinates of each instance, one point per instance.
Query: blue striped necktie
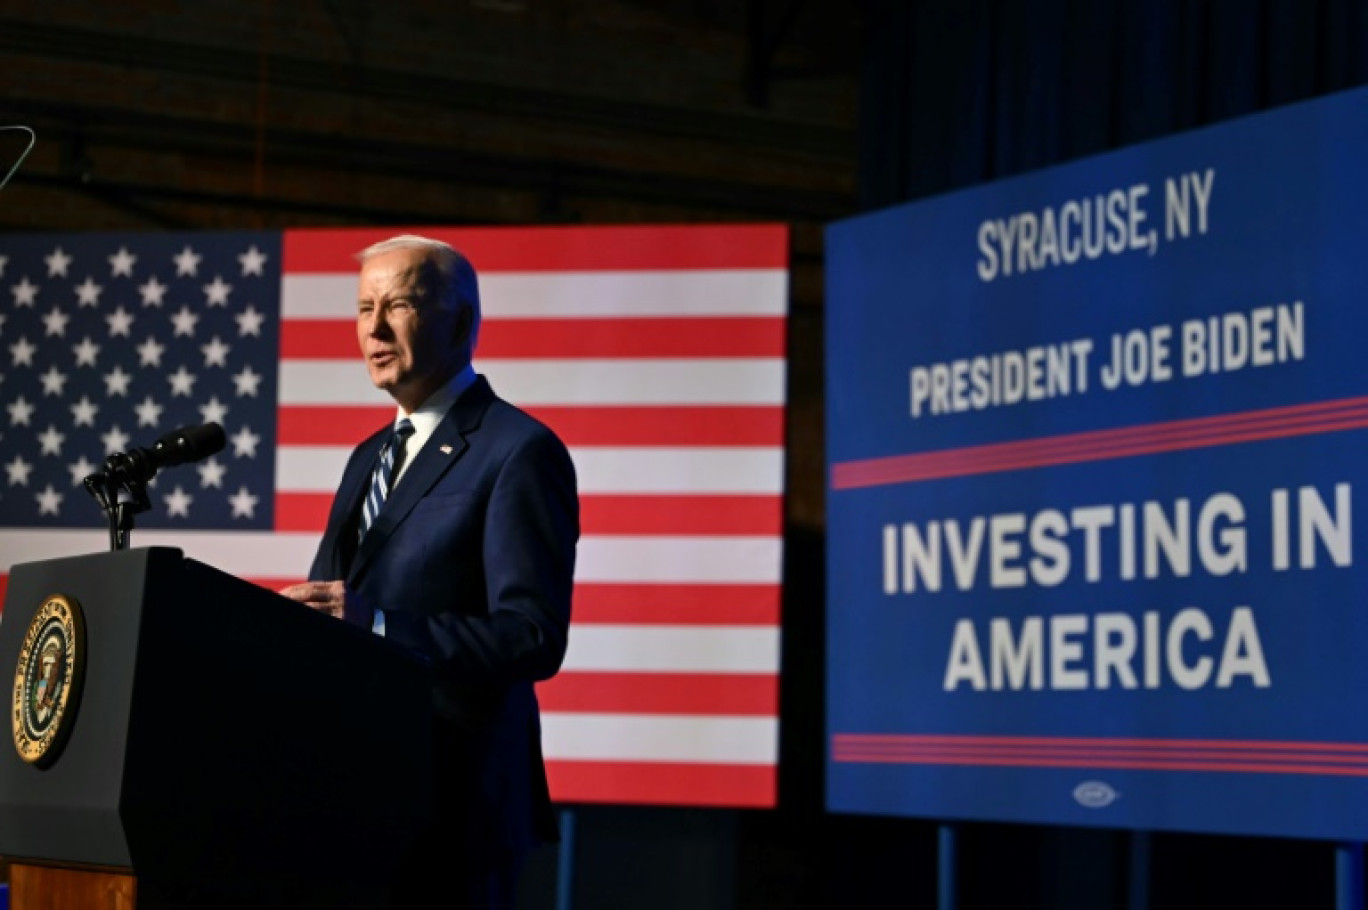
(380, 480)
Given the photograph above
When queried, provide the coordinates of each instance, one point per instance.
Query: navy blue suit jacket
(472, 558)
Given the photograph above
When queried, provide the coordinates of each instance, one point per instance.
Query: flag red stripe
(576, 426)
(557, 249)
(700, 604)
(302, 511)
(712, 515)
(662, 783)
(4, 584)
(656, 337)
(749, 515)
(662, 693)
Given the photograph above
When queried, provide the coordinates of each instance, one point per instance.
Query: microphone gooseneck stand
(121, 496)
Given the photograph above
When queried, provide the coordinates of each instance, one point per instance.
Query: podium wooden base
(67, 888)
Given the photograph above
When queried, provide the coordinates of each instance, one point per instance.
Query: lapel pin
(446, 450)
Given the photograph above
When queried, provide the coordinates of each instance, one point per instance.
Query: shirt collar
(435, 407)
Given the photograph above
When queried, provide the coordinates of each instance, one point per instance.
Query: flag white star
(178, 503)
(57, 263)
(245, 443)
(83, 412)
(86, 352)
(55, 322)
(249, 321)
(152, 292)
(187, 261)
(18, 471)
(21, 352)
(182, 382)
(49, 501)
(19, 411)
(121, 263)
(244, 503)
(215, 353)
(216, 293)
(116, 382)
(88, 292)
(150, 353)
(252, 260)
(213, 411)
(4, 260)
(120, 321)
(149, 412)
(25, 292)
(184, 321)
(246, 382)
(54, 381)
(211, 473)
(51, 441)
(80, 471)
(116, 440)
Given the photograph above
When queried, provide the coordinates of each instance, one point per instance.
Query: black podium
(224, 743)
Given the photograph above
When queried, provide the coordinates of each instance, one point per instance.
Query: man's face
(407, 337)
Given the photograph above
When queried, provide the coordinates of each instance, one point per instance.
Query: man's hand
(333, 598)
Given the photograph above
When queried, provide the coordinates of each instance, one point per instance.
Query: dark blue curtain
(956, 92)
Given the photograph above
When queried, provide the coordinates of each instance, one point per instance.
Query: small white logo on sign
(1095, 794)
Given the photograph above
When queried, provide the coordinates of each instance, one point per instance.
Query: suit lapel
(443, 449)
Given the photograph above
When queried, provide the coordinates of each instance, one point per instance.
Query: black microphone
(177, 447)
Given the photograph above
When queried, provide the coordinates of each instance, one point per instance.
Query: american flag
(656, 353)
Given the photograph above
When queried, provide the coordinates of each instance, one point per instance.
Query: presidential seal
(47, 682)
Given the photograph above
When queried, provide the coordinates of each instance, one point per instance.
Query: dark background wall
(167, 114)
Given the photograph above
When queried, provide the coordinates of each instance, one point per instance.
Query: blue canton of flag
(109, 341)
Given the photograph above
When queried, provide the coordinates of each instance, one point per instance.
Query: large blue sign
(1095, 453)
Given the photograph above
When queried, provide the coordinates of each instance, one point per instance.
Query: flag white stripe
(649, 737)
(704, 381)
(713, 292)
(679, 560)
(264, 554)
(600, 470)
(673, 649)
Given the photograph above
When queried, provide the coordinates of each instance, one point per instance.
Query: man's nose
(379, 325)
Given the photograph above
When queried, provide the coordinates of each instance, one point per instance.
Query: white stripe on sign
(649, 737)
(673, 649)
(600, 470)
(679, 560)
(712, 292)
(703, 381)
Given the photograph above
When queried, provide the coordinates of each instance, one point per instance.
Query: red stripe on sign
(701, 604)
(994, 760)
(662, 693)
(1100, 445)
(558, 249)
(720, 515)
(302, 511)
(663, 783)
(663, 337)
(891, 740)
(588, 426)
